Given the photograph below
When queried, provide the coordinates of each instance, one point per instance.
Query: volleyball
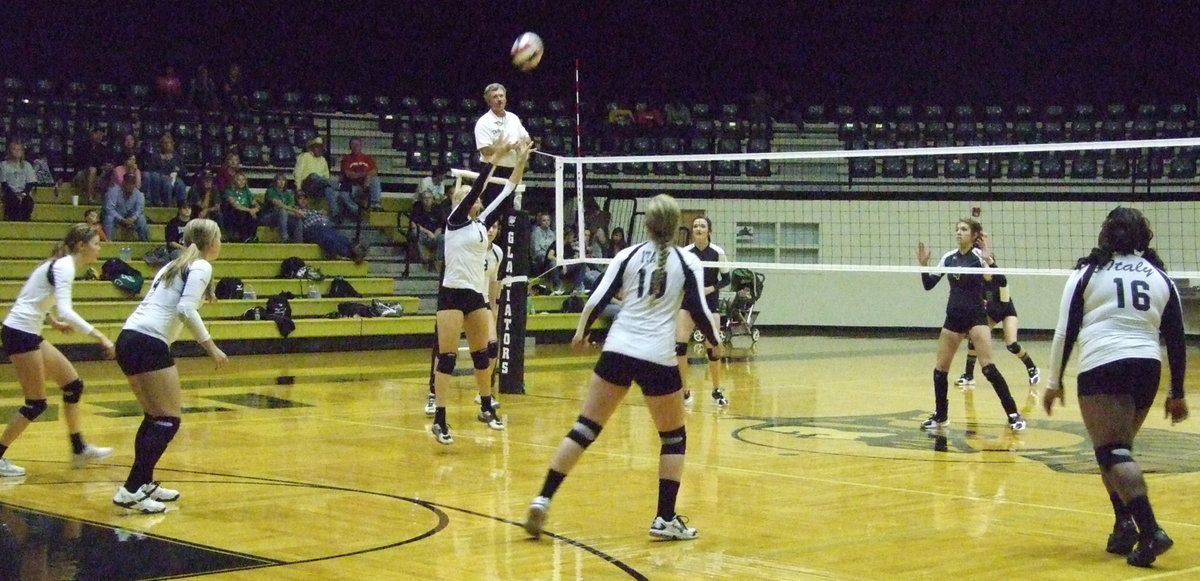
(527, 51)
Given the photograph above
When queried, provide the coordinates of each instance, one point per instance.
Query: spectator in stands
(620, 119)
(41, 167)
(432, 183)
(92, 164)
(233, 90)
(225, 173)
(361, 175)
(616, 241)
(91, 217)
(17, 179)
(163, 175)
(125, 205)
(600, 241)
(318, 230)
(678, 118)
(541, 240)
(428, 223)
(590, 273)
(129, 146)
(647, 118)
(280, 210)
(202, 94)
(170, 88)
(206, 198)
(312, 177)
(128, 167)
(174, 231)
(240, 211)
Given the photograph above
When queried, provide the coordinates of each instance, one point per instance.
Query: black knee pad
(493, 350)
(73, 391)
(1110, 455)
(711, 355)
(681, 349)
(480, 359)
(674, 441)
(1013, 347)
(584, 432)
(446, 361)
(970, 347)
(33, 408)
(940, 376)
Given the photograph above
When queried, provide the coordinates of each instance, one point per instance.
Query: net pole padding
(895, 152)
(513, 304)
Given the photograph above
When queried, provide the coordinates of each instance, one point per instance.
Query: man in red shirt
(360, 173)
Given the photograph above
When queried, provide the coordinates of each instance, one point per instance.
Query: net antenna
(834, 210)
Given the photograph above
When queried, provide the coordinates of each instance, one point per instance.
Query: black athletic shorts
(1136, 377)
(962, 320)
(139, 353)
(712, 301)
(460, 299)
(998, 311)
(16, 342)
(623, 370)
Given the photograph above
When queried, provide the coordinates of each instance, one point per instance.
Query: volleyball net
(865, 210)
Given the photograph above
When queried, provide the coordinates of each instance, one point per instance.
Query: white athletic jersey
(646, 327)
(168, 307)
(466, 242)
(28, 312)
(1123, 306)
(488, 130)
(491, 267)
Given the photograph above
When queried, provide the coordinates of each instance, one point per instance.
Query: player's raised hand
(922, 254)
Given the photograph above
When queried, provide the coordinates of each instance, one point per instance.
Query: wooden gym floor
(817, 470)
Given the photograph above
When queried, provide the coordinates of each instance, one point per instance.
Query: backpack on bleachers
(291, 267)
(230, 288)
(278, 305)
(115, 267)
(341, 288)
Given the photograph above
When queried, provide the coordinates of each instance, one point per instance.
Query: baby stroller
(738, 314)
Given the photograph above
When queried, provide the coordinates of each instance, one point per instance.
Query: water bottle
(248, 292)
(313, 291)
(126, 253)
(529, 306)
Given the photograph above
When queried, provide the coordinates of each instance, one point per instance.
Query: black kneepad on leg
(712, 356)
(73, 391)
(493, 350)
(33, 408)
(680, 349)
(480, 359)
(1110, 455)
(584, 432)
(1013, 347)
(992, 374)
(674, 441)
(446, 361)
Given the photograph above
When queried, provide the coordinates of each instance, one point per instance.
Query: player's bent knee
(493, 350)
(445, 362)
(1013, 347)
(991, 373)
(480, 359)
(674, 441)
(584, 432)
(33, 408)
(1110, 455)
(681, 348)
(73, 391)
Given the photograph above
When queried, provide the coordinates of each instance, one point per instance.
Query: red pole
(578, 124)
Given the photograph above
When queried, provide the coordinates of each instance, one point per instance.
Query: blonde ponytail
(198, 235)
(662, 219)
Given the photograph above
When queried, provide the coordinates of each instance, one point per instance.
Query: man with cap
(313, 178)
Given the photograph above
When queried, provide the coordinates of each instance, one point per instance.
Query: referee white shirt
(168, 307)
(28, 312)
(490, 128)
